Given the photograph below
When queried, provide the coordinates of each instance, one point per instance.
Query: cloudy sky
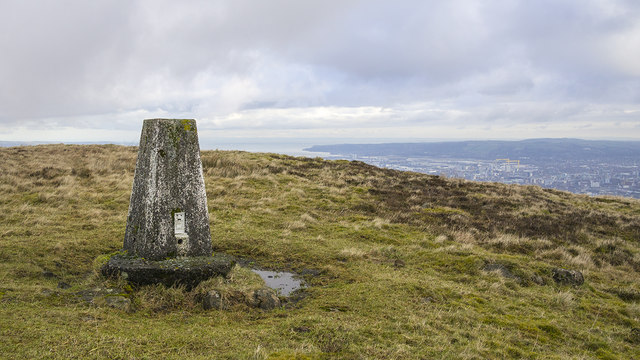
(424, 69)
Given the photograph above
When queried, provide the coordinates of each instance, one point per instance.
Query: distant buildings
(581, 177)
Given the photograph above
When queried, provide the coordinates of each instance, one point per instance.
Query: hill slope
(402, 265)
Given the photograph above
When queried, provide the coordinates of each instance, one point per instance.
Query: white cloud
(622, 49)
(288, 67)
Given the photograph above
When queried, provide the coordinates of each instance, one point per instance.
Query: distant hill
(19, 143)
(31, 143)
(534, 149)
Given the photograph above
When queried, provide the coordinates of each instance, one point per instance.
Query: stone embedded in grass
(118, 302)
(567, 277)
(212, 300)
(168, 214)
(263, 298)
(49, 275)
(111, 297)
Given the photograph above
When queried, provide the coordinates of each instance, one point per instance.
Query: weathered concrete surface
(168, 214)
(178, 271)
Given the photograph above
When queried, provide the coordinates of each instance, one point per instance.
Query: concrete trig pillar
(168, 215)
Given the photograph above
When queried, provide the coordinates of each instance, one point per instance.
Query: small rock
(63, 285)
(212, 300)
(88, 295)
(96, 295)
(264, 298)
(114, 291)
(301, 329)
(49, 275)
(118, 302)
(567, 277)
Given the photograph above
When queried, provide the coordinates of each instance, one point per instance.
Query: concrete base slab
(177, 271)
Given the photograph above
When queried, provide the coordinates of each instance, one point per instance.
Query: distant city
(579, 166)
(590, 178)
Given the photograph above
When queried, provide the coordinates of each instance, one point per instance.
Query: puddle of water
(284, 282)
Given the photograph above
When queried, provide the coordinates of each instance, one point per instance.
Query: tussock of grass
(397, 260)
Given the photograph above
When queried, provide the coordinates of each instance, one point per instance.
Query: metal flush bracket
(178, 223)
(181, 235)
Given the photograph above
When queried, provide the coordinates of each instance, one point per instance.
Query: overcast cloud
(73, 70)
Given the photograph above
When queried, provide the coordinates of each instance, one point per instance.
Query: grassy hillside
(399, 263)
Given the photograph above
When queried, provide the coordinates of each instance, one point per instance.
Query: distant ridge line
(32, 143)
(539, 149)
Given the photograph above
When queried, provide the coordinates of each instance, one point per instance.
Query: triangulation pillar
(168, 214)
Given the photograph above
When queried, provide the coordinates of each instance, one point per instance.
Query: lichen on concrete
(188, 124)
